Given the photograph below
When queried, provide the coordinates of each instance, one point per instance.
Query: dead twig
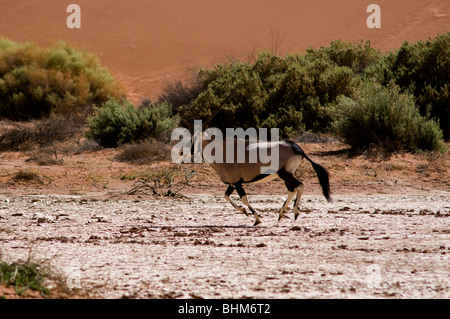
(143, 187)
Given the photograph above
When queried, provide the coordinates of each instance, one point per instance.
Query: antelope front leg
(297, 199)
(228, 192)
(240, 209)
(257, 217)
(244, 199)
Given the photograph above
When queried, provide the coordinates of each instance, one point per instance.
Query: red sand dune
(149, 43)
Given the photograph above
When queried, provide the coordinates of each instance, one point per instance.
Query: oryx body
(251, 166)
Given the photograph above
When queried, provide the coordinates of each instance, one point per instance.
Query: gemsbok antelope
(235, 173)
(248, 169)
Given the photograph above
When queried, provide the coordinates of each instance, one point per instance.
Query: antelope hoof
(282, 215)
(242, 210)
(257, 222)
(296, 216)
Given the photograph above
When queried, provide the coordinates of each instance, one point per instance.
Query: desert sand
(148, 44)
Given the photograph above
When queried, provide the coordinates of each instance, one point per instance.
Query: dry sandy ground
(385, 235)
(150, 43)
(357, 247)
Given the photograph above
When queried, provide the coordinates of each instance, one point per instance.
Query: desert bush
(356, 56)
(173, 179)
(297, 92)
(117, 122)
(45, 156)
(178, 93)
(36, 82)
(290, 93)
(241, 110)
(21, 136)
(27, 176)
(143, 152)
(309, 87)
(384, 117)
(86, 145)
(423, 69)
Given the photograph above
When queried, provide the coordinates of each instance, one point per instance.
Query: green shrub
(36, 82)
(116, 123)
(242, 110)
(178, 93)
(290, 93)
(309, 87)
(24, 275)
(357, 56)
(385, 117)
(423, 69)
(296, 92)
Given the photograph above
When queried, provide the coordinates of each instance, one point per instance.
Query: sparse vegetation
(120, 122)
(423, 68)
(386, 118)
(36, 82)
(177, 93)
(23, 276)
(143, 152)
(173, 179)
(59, 86)
(27, 176)
(301, 92)
(87, 146)
(46, 156)
(24, 136)
(291, 93)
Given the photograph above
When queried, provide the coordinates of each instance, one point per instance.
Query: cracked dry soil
(196, 246)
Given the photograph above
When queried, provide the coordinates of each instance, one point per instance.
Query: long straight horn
(220, 106)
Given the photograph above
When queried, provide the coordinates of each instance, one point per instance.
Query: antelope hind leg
(292, 185)
(282, 211)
